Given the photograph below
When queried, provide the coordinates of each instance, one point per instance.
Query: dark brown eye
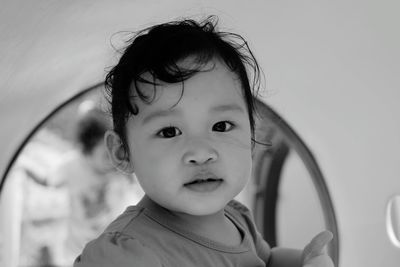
(223, 126)
(169, 132)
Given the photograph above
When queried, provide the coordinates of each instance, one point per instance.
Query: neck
(203, 221)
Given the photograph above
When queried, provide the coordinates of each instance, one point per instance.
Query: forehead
(214, 82)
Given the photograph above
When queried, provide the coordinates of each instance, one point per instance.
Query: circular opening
(269, 171)
(393, 220)
(279, 200)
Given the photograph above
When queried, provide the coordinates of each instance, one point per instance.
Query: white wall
(333, 69)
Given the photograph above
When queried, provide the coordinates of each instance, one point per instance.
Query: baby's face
(193, 155)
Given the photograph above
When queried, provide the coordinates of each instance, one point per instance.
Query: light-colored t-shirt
(148, 235)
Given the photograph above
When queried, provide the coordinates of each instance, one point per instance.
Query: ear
(116, 151)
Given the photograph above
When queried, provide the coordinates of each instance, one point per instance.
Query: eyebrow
(159, 114)
(228, 107)
(171, 112)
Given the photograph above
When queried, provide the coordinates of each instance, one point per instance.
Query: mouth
(204, 184)
(200, 181)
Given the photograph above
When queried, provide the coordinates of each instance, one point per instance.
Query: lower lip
(204, 187)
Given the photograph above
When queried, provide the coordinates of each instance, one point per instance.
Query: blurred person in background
(97, 192)
(61, 192)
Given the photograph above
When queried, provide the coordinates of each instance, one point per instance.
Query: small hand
(314, 254)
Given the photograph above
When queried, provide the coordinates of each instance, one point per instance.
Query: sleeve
(275, 257)
(262, 248)
(115, 249)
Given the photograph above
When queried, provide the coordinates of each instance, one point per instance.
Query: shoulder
(120, 225)
(236, 205)
(117, 247)
(235, 208)
(245, 217)
(242, 215)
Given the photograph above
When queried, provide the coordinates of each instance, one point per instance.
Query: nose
(200, 153)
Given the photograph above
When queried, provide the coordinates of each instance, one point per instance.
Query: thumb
(316, 246)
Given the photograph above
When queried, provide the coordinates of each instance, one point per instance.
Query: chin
(204, 209)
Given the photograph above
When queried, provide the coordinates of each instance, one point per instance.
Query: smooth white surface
(393, 220)
(331, 71)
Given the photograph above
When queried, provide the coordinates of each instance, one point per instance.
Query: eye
(169, 132)
(223, 126)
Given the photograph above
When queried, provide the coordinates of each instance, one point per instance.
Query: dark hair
(90, 129)
(157, 50)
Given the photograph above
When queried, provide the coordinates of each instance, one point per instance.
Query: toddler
(182, 102)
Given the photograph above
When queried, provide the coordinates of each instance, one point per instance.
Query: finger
(317, 245)
(321, 260)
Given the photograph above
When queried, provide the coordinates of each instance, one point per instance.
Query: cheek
(245, 162)
(238, 146)
(238, 158)
(152, 155)
(152, 162)
(244, 158)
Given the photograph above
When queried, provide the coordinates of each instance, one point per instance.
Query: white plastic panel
(393, 220)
